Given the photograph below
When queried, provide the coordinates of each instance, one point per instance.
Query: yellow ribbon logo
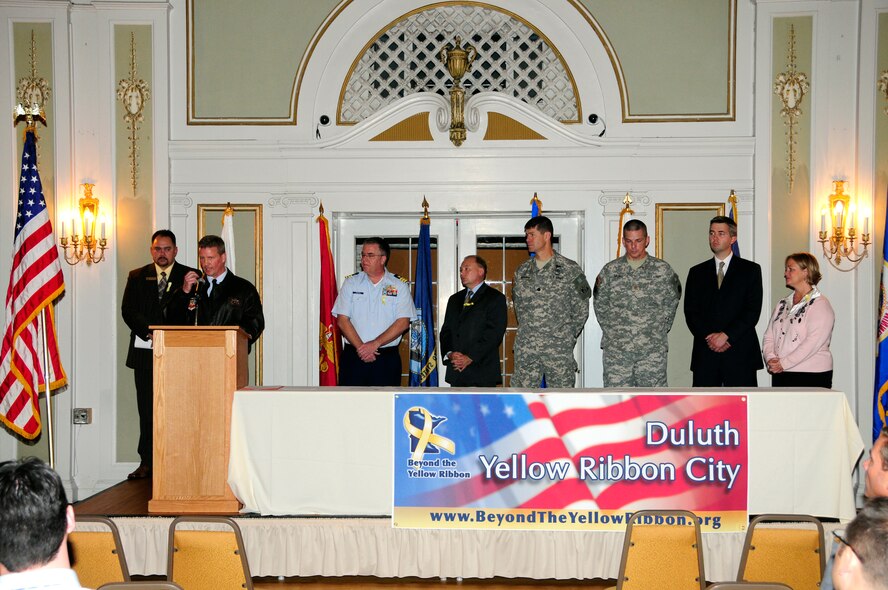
(425, 436)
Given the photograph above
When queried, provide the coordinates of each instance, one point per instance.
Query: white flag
(228, 237)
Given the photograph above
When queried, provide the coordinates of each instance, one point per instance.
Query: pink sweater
(799, 335)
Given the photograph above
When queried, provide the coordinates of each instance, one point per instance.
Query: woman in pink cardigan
(796, 343)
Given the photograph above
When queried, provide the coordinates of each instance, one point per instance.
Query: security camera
(324, 120)
(594, 119)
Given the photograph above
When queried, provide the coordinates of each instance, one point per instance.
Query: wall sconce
(839, 246)
(80, 236)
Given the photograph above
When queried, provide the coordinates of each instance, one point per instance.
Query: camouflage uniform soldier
(551, 297)
(636, 296)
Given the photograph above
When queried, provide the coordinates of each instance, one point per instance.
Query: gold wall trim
(501, 127)
(662, 208)
(530, 25)
(730, 113)
(202, 211)
(413, 128)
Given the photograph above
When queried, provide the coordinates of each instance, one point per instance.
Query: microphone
(193, 301)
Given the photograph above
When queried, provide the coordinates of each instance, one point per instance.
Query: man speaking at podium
(219, 298)
(149, 292)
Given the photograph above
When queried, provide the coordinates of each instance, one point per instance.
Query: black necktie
(161, 285)
(214, 284)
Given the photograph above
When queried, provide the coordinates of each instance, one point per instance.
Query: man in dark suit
(146, 299)
(723, 302)
(220, 298)
(473, 329)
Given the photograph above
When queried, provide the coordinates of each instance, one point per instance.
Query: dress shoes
(142, 471)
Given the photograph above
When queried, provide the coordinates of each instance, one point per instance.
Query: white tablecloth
(297, 451)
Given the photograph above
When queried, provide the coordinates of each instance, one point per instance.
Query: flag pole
(49, 414)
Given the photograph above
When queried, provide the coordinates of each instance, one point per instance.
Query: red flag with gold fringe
(330, 343)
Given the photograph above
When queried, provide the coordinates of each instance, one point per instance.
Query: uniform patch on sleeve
(582, 286)
(599, 282)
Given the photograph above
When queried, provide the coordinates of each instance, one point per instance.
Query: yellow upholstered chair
(663, 549)
(747, 586)
(791, 556)
(208, 559)
(97, 557)
(141, 586)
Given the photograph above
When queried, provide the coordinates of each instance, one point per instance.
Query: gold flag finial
(425, 208)
(539, 204)
(627, 208)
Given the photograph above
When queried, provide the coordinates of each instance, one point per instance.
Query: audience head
(862, 560)
(876, 468)
(35, 517)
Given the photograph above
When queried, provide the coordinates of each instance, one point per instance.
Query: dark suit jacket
(734, 309)
(476, 330)
(140, 307)
(234, 302)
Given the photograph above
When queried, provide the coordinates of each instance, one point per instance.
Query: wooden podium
(196, 372)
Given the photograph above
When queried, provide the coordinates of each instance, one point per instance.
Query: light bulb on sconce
(841, 244)
(81, 243)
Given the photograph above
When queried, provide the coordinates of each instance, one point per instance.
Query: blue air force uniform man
(373, 309)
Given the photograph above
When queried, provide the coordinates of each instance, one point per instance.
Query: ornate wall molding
(791, 86)
(33, 90)
(133, 93)
(286, 200)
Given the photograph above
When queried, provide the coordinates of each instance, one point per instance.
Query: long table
(310, 451)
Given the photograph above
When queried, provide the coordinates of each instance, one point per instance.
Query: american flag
(35, 281)
(561, 429)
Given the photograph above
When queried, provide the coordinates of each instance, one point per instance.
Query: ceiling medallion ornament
(32, 93)
(791, 86)
(883, 87)
(133, 93)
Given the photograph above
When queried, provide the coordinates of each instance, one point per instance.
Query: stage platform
(307, 546)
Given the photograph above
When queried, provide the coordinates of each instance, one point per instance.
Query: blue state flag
(735, 247)
(880, 397)
(423, 349)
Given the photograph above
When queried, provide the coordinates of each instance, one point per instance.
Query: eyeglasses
(845, 542)
(371, 255)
